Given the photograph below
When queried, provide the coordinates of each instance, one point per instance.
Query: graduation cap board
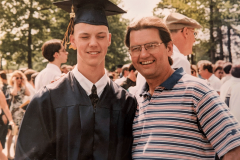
(87, 11)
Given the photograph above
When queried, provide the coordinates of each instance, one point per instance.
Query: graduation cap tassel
(70, 30)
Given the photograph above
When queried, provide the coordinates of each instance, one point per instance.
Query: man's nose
(93, 41)
(144, 53)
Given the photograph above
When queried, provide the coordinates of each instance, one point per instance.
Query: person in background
(125, 73)
(226, 69)
(5, 87)
(19, 89)
(219, 63)
(56, 54)
(131, 78)
(183, 34)
(30, 85)
(234, 79)
(23, 69)
(205, 69)
(194, 70)
(178, 116)
(3, 122)
(70, 68)
(64, 69)
(119, 70)
(233, 91)
(33, 77)
(218, 72)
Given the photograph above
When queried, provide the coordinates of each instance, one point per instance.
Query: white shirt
(119, 81)
(215, 83)
(234, 104)
(226, 78)
(50, 73)
(31, 90)
(179, 60)
(225, 87)
(87, 85)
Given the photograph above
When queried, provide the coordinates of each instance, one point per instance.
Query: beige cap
(179, 21)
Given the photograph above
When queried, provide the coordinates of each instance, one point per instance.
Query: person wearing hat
(84, 115)
(183, 34)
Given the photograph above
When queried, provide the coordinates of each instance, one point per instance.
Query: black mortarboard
(88, 11)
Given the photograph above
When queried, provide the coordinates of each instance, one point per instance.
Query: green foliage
(225, 12)
(25, 27)
(117, 52)
(27, 24)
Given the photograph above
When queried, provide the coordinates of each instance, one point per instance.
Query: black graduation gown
(60, 123)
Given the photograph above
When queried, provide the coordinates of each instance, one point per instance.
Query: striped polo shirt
(183, 119)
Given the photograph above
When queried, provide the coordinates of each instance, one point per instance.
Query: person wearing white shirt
(231, 89)
(205, 69)
(179, 60)
(226, 69)
(125, 73)
(30, 85)
(56, 54)
(225, 87)
(183, 34)
(234, 103)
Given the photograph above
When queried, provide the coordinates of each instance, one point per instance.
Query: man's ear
(170, 48)
(185, 32)
(55, 55)
(109, 38)
(72, 40)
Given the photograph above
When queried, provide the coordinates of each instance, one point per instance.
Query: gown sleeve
(127, 140)
(36, 138)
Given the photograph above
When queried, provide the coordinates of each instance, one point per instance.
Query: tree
(26, 26)
(117, 52)
(211, 14)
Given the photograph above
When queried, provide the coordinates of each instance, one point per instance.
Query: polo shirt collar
(168, 84)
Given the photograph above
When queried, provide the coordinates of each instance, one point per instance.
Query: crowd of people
(158, 107)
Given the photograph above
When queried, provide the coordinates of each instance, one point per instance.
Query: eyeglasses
(150, 47)
(18, 78)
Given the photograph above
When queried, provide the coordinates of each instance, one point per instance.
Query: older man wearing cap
(183, 37)
(84, 115)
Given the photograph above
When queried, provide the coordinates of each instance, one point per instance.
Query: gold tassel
(69, 31)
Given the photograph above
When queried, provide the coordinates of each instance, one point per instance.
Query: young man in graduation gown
(84, 115)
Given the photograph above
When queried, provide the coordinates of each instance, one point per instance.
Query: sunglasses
(18, 78)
